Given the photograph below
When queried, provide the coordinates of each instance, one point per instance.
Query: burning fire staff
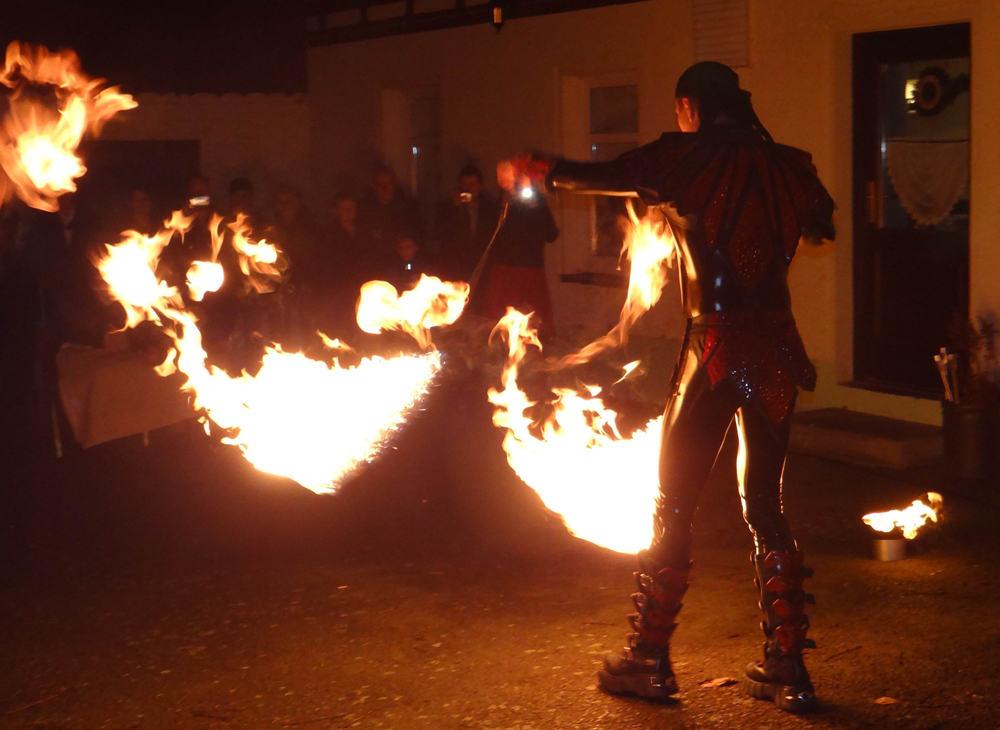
(748, 202)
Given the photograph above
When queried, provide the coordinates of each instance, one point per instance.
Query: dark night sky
(214, 46)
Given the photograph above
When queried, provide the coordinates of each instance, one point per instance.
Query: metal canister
(890, 550)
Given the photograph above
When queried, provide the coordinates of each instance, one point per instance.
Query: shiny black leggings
(695, 424)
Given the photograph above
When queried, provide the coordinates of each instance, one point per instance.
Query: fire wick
(477, 274)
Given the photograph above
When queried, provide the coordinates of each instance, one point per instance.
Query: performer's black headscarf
(715, 90)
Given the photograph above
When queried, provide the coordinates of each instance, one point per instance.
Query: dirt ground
(172, 586)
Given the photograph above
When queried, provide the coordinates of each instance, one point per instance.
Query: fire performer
(747, 202)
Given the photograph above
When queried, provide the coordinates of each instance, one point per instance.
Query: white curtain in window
(929, 176)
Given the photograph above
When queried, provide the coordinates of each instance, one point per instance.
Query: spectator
(294, 231)
(19, 312)
(408, 264)
(327, 281)
(196, 244)
(343, 237)
(516, 276)
(350, 247)
(62, 247)
(139, 213)
(218, 312)
(241, 201)
(465, 225)
(387, 212)
(230, 314)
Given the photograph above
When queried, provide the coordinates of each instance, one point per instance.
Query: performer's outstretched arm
(596, 178)
(622, 176)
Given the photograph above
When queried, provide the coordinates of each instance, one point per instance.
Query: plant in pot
(971, 418)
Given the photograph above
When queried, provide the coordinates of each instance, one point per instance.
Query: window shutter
(722, 31)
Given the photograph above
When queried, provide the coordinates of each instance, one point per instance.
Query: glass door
(911, 203)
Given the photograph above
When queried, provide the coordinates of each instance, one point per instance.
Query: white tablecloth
(107, 395)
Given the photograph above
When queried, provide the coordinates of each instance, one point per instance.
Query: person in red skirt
(516, 276)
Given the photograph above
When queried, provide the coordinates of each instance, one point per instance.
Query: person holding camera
(465, 224)
(515, 275)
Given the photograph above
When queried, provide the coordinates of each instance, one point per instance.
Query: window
(411, 141)
(722, 31)
(613, 129)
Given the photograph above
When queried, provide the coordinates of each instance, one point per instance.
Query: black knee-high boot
(781, 675)
(643, 667)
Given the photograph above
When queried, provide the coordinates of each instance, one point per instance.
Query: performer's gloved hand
(532, 166)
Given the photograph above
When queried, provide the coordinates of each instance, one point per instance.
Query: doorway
(411, 142)
(911, 203)
(160, 167)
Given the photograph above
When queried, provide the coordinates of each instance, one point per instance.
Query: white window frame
(623, 78)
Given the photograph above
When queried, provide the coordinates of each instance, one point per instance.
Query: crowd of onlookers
(51, 293)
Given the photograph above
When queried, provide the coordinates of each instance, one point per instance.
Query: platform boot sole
(649, 686)
(789, 699)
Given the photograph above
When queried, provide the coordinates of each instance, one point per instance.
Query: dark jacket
(461, 238)
(62, 258)
(522, 238)
(383, 223)
(748, 202)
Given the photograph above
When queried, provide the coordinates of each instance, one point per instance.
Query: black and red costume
(748, 201)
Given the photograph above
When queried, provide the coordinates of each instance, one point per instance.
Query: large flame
(431, 303)
(909, 520)
(38, 140)
(301, 418)
(130, 269)
(600, 482)
(202, 276)
(649, 246)
(297, 417)
(261, 262)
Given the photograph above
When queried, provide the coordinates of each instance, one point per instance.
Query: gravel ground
(174, 587)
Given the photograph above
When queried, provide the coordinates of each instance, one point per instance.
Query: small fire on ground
(909, 520)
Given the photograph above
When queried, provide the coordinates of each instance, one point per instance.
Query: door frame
(951, 40)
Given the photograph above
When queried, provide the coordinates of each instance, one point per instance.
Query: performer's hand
(532, 166)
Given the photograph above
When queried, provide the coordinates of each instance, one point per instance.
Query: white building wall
(500, 94)
(261, 136)
(504, 93)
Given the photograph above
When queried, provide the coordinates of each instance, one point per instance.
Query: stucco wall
(262, 136)
(501, 93)
(801, 80)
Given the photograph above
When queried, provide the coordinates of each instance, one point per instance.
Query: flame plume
(297, 417)
(600, 482)
(202, 276)
(261, 262)
(431, 303)
(38, 141)
(301, 418)
(130, 268)
(910, 520)
(649, 246)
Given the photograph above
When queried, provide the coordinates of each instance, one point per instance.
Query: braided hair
(715, 89)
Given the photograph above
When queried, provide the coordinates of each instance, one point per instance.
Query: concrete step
(863, 439)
